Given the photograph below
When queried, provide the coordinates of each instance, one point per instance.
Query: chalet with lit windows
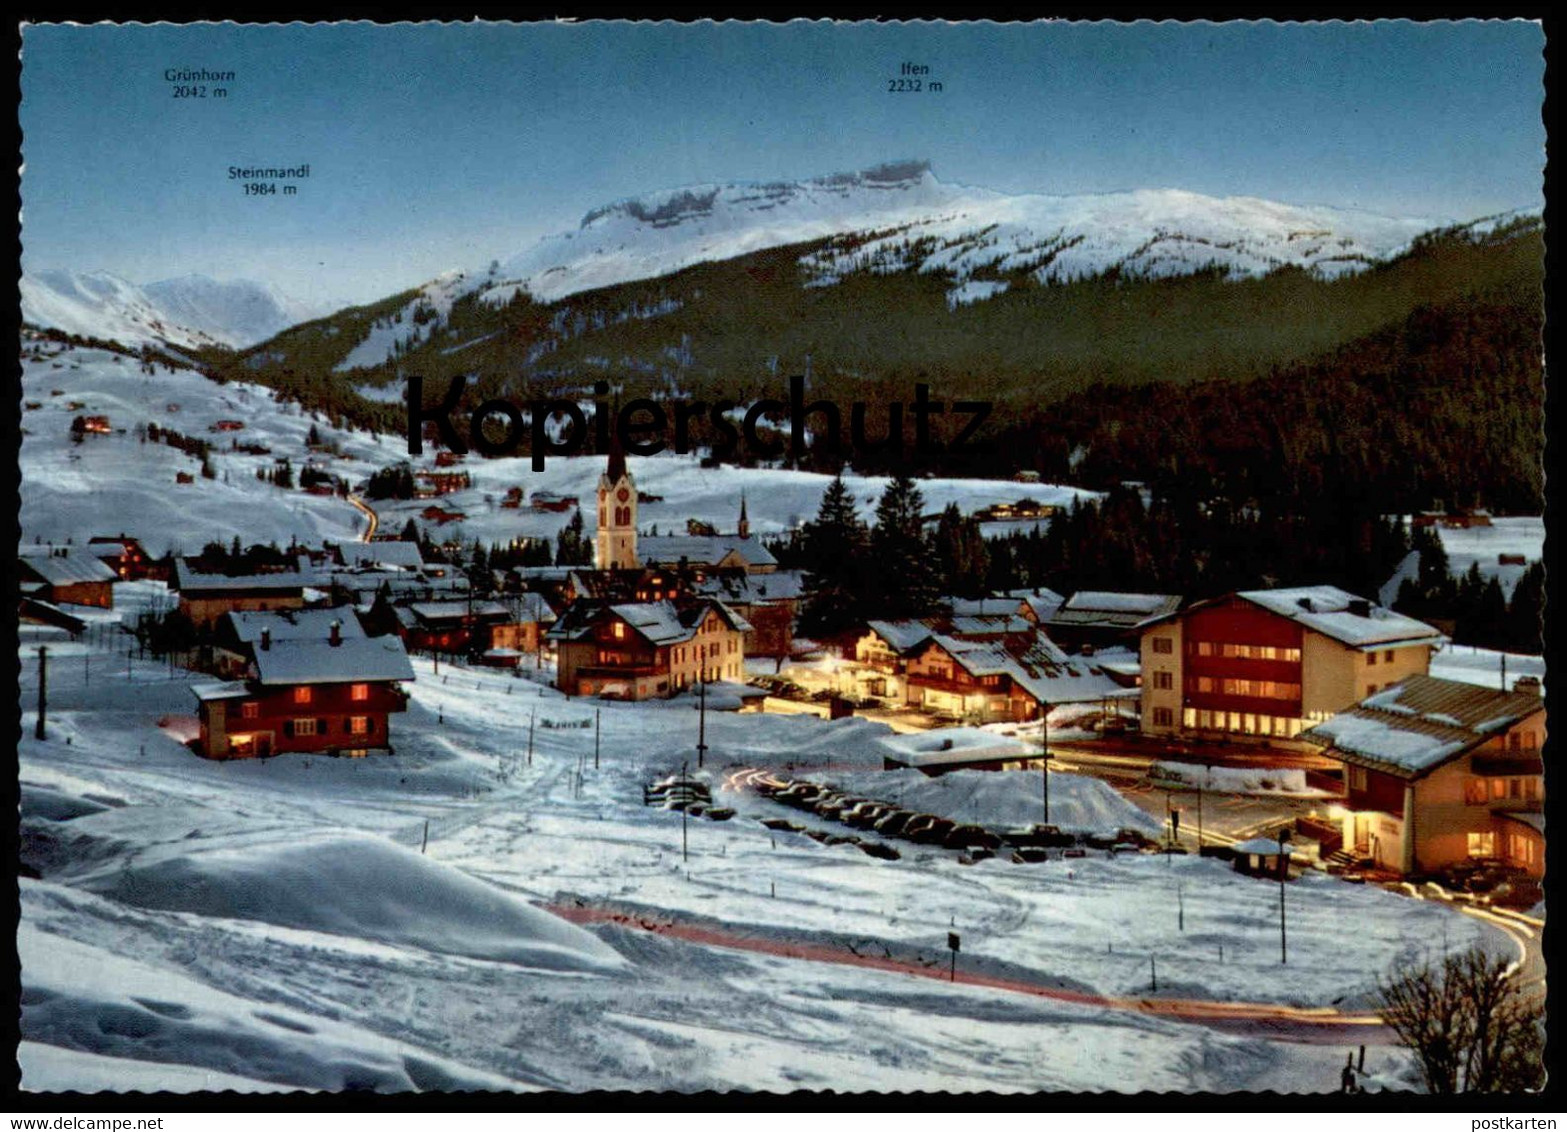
(986, 682)
(1094, 619)
(498, 630)
(125, 556)
(643, 650)
(429, 484)
(205, 598)
(1439, 772)
(310, 696)
(63, 575)
(1265, 665)
(769, 602)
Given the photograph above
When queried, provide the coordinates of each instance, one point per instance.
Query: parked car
(893, 824)
(720, 813)
(933, 833)
(971, 836)
(1029, 856)
(880, 849)
(1037, 836)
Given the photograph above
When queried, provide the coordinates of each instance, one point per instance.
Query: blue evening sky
(437, 146)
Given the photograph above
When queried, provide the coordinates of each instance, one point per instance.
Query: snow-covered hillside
(192, 310)
(114, 483)
(900, 216)
(399, 922)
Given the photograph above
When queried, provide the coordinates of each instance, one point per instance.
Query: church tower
(744, 529)
(617, 530)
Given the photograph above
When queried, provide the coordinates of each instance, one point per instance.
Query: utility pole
(596, 714)
(685, 854)
(1044, 756)
(43, 689)
(1206, 770)
(1284, 868)
(531, 717)
(701, 734)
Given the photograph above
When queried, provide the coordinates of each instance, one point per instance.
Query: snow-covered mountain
(900, 215)
(192, 310)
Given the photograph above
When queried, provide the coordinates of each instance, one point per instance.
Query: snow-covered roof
(294, 624)
(979, 625)
(902, 636)
(1044, 602)
(754, 589)
(1262, 846)
(402, 554)
(983, 606)
(67, 569)
(1106, 609)
(319, 662)
(1417, 725)
(659, 623)
(1328, 610)
(185, 578)
(457, 610)
(951, 745)
(220, 690)
(1043, 671)
(700, 550)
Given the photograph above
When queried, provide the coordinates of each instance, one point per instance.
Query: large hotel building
(1270, 663)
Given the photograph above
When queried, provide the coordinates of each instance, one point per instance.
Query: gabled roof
(1044, 602)
(428, 611)
(988, 624)
(1112, 610)
(703, 550)
(660, 623)
(1042, 671)
(902, 636)
(294, 625)
(753, 589)
(185, 578)
(67, 569)
(1327, 610)
(364, 659)
(1415, 726)
(402, 554)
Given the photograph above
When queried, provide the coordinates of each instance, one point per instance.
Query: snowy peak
(238, 312)
(899, 216)
(657, 233)
(190, 311)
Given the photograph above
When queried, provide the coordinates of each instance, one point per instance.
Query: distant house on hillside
(125, 556)
(333, 696)
(66, 575)
(1439, 772)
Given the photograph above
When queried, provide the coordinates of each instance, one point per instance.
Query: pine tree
(410, 532)
(1525, 615)
(904, 582)
(832, 553)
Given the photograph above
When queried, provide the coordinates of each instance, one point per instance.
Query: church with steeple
(616, 544)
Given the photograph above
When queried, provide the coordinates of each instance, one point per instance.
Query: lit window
(359, 725)
(1474, 792)
(1482, 844)
(301, 695)
(620, 630)
(359, 692)
(250, 709)
(304, 727)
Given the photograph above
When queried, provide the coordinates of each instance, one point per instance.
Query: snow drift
(362, 887)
